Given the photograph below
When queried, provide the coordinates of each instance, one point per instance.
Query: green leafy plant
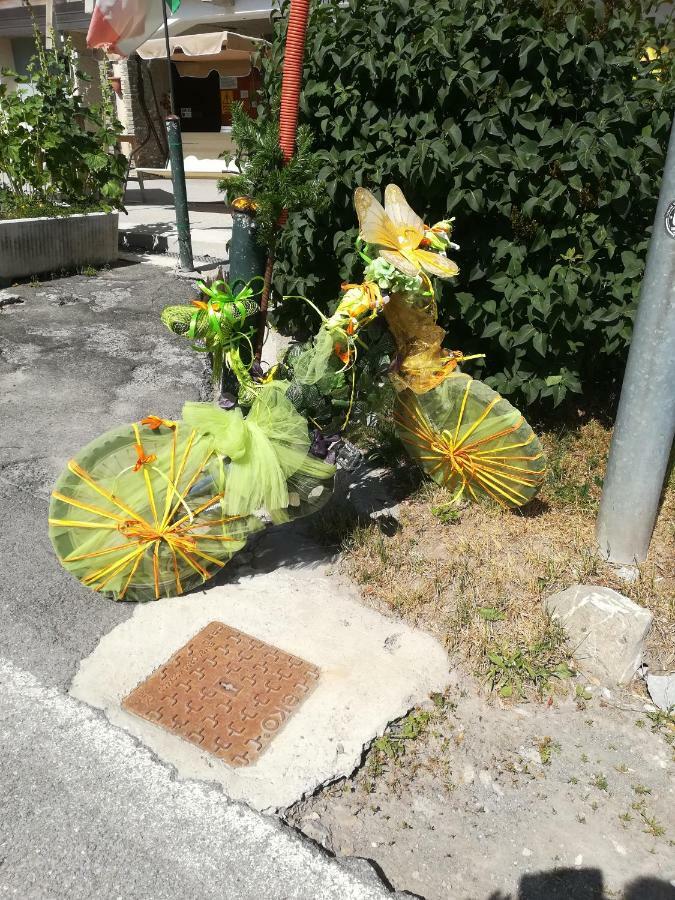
(266, 178)
(600, 781)
(514, 669)
(652, 826)
(447, 513)
(663, 722)
(57, 153)
(546, 747)
(541, 125)
(392, 745)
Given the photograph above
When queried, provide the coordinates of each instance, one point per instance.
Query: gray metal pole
(177, 168)
(645, 423)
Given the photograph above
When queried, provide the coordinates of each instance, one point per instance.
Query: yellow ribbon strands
(138, 513)
(470, 439)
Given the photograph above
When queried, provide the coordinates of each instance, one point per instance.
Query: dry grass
(478, 579)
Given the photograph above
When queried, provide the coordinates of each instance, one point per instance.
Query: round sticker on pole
(670, 219)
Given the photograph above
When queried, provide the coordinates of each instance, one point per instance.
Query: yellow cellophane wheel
(471, 440)
(137, 515)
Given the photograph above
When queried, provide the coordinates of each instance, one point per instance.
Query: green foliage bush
(56, 152)
(539, 124)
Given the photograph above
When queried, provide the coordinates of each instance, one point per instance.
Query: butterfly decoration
(401, 236)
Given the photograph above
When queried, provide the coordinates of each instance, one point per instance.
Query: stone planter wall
(37, 246)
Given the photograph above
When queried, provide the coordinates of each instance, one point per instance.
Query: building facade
(142, 86)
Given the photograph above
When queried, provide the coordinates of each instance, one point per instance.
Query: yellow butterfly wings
(399, 233)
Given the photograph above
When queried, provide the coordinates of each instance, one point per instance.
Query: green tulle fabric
(313, 364)
(149, 531)
(263, 461)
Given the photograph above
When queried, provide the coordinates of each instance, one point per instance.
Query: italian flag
(120, 26)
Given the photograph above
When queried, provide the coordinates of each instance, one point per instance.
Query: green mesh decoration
(259, 454)
(216, 325)
(307, 493)
(312, 364)
(471, 440)
(179, 318)
(137, 514)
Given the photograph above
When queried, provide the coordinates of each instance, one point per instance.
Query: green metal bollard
(179, 193)
(247, 257)
(248, 260)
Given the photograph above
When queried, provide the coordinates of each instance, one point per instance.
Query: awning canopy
(196, 55)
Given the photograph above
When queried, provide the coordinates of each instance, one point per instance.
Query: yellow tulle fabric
(425, 363)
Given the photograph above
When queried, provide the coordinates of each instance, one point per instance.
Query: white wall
(6, 60)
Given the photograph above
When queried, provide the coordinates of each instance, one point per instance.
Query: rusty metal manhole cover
(225, 691)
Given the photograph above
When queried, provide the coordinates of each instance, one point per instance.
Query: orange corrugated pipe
(291, 81)
(291, 78)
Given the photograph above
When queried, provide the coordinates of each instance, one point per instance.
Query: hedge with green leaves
(539, 124)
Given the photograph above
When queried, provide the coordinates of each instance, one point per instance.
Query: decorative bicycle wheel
(137, 513)
(470, 439)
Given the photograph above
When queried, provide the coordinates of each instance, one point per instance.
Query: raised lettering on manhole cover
(225, 691)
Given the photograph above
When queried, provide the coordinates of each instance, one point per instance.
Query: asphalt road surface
(87, 812)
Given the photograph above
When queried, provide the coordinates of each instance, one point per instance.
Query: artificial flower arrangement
(155, 508)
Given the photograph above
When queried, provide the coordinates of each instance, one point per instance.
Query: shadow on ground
(365, 496)
(583, 884)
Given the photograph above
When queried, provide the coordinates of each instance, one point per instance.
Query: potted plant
(61, 171)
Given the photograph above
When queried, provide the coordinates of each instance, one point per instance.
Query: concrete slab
(373, 670)
(149, 224)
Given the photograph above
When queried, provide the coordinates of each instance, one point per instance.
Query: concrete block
(43, 245)
(606, 630)
(373, 670)
(662, 690)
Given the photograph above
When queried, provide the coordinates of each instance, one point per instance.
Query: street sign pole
(175, 143)
(645, 424)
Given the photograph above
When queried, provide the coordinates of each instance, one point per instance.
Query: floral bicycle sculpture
(156, 508)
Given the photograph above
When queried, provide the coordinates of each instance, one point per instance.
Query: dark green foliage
(274, 186)
(537, 123)
(324, 404)
(55, 151)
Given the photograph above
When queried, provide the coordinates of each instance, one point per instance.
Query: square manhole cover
(225, 691)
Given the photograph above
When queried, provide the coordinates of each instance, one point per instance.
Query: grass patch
(651, 825)
(546, 747)
(512, 670)
(391, 747)
(663, 721)
(477, 575)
